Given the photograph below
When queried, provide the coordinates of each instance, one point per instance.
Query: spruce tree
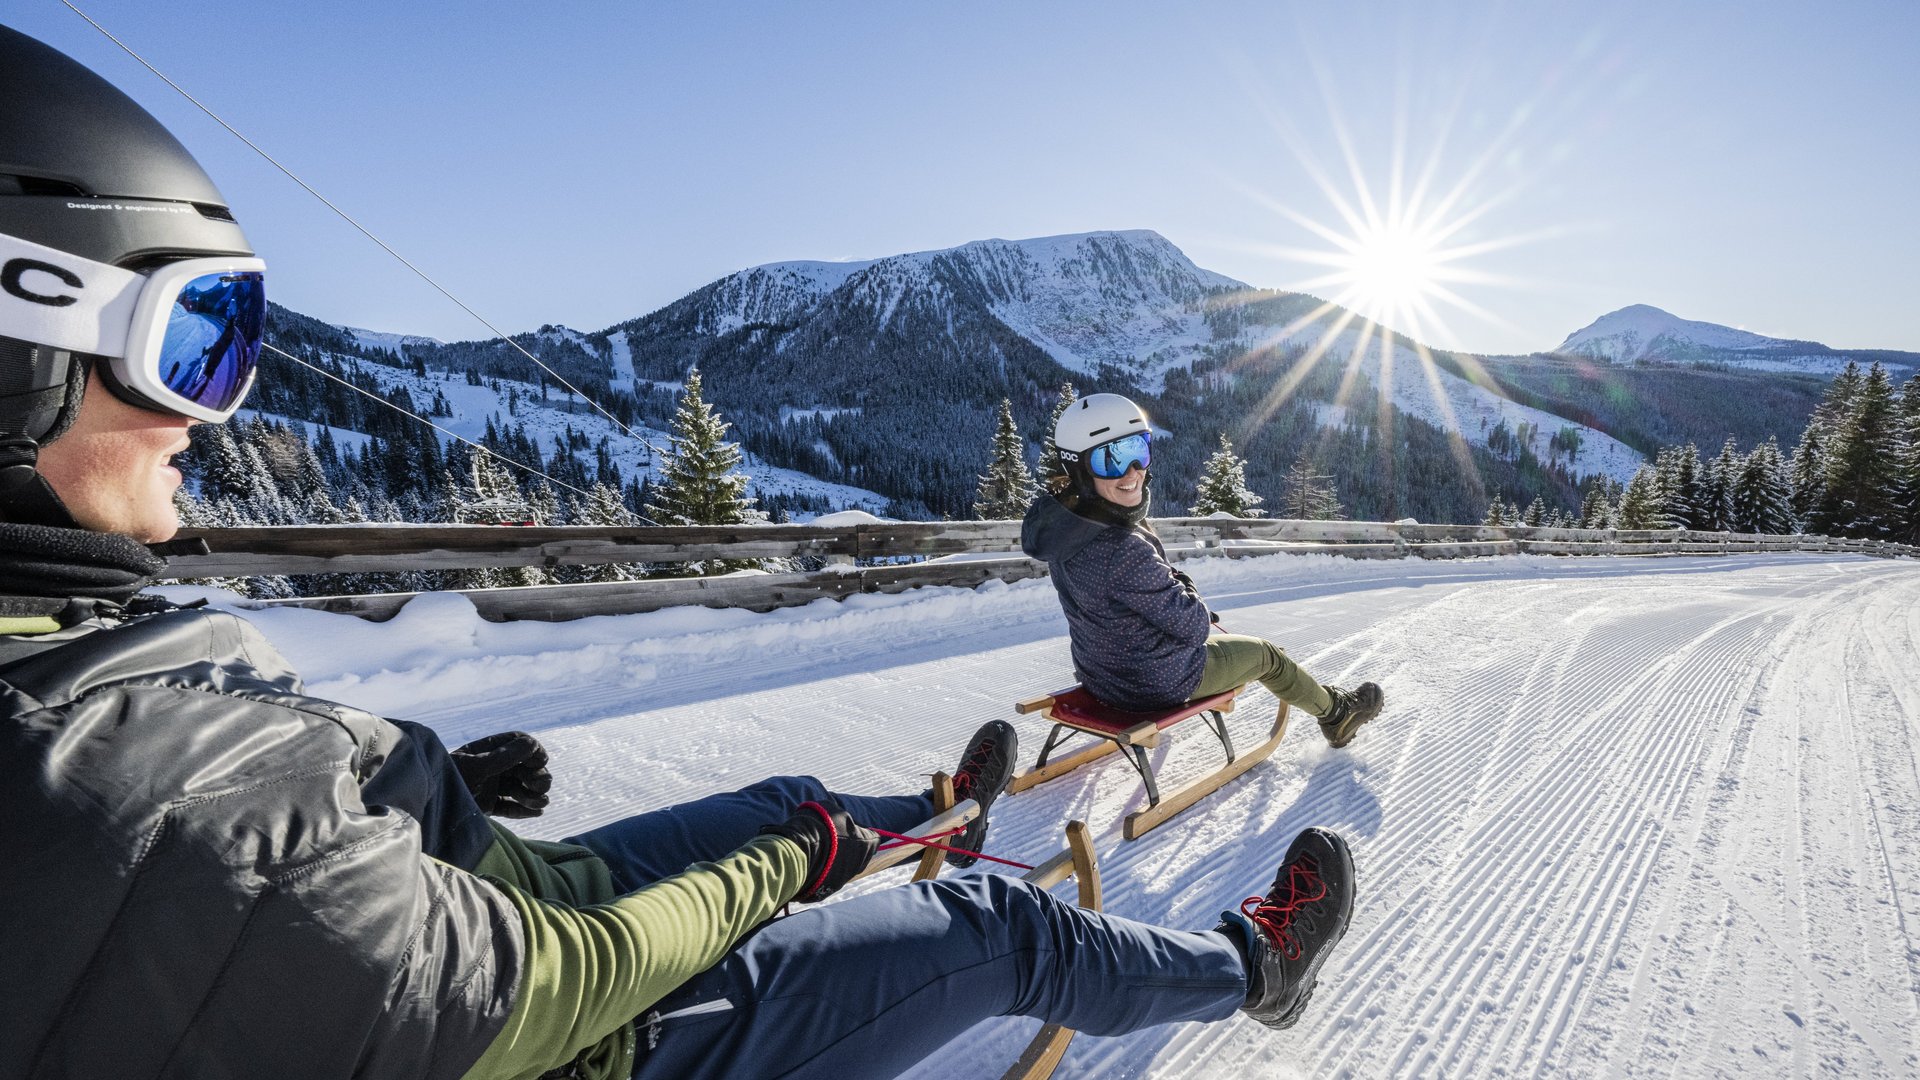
(1310, 495)
(1595, 513)
(1861, 466)
(1497, 515)
(1536, 514)
(1716, 498)
(1223, 486)
(1050, 464)
(1761, 498)
(699, 482)
(1640, 506)
(603, 505)
(1807, 476)
(1907, 464)
(1006, 488)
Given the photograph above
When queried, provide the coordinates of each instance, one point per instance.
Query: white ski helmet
(1096, 419)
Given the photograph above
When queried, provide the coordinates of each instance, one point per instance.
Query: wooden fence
(896, 556)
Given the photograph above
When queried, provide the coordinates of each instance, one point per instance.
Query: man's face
(111, 467)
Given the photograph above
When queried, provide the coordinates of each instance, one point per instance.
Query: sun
(1391, 270)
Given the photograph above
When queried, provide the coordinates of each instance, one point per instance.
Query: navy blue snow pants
(868, 986)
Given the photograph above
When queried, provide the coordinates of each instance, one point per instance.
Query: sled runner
(1043, 1054)
(1074, 710)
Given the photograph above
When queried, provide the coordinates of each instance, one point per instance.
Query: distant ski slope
(1621, 817)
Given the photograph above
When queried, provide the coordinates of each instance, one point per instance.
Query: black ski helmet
(85, 170)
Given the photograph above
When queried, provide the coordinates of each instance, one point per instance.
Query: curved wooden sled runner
(1043, 1054)
(1073, 710)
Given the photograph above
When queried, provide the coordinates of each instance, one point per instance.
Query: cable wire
(450, 434)
(348, 218)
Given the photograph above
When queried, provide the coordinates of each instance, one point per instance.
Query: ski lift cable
(348, 218)
(450, 434)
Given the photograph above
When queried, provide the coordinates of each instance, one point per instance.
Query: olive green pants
(1236, 659)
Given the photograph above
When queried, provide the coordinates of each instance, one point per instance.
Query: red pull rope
(929, 842)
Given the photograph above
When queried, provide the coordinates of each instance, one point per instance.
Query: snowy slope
(1449, 402)
(473, 406)
(1622, 817)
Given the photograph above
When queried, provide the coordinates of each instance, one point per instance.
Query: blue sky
(582, 163)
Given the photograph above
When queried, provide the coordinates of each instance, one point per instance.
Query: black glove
(837, 848)
(507, 774)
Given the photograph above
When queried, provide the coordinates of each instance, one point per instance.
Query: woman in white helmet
(1142, 637)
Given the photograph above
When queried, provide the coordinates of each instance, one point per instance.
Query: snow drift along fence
(358, 549)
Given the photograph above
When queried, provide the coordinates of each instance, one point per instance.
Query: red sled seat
(1075, 710)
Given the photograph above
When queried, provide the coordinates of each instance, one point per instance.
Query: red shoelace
(970, 769)
(1274, 912)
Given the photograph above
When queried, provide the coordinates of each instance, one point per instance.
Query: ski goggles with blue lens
(1110, 461)
(183, 338)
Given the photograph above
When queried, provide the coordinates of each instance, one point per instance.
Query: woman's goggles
(182, 339)
(1110, 461)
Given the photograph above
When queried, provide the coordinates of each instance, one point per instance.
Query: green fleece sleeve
(591, 969)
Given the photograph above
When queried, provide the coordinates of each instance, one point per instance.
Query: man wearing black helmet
(206, 872)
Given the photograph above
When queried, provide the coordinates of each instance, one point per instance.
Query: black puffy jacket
(205, 873)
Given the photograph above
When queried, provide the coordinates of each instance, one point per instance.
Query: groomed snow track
(1621, 817)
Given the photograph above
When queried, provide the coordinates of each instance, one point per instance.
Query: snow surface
(1621, 817)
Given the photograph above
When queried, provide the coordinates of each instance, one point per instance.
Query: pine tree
(1006, 488)
(1640, 504)
(1536, 514)
(1497, 514)
(604, 506)
(1050, 464)
(1310, 495)
(1761, 497)
(699, 484)
(1807, 476)
(1861, 465)
(1595, 513)
(1223, 486)
(1907, 491)
(1716, 498)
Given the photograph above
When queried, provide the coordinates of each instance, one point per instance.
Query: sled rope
(929, 841)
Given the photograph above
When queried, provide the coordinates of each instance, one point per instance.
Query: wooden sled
(1043, 1054)
(1074, 710)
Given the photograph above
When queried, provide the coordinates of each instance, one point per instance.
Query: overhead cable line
(450, 434)
(364, 231)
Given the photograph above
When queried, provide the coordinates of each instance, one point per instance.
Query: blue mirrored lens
(1111, 461)
(213, 338)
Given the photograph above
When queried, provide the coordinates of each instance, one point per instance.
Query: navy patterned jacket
(1139, 634)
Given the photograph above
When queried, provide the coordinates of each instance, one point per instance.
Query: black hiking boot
(982, 776)
(1351, 708)
(1289, 932)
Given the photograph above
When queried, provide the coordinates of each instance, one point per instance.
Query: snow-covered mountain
(1643, 333)
(1125, 299)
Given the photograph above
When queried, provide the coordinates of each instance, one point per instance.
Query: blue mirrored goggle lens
(1112, 460)
(213, 338)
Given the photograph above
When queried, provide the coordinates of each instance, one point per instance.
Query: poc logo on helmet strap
(15, 269)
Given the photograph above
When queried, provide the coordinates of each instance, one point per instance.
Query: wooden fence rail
(353, 549)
